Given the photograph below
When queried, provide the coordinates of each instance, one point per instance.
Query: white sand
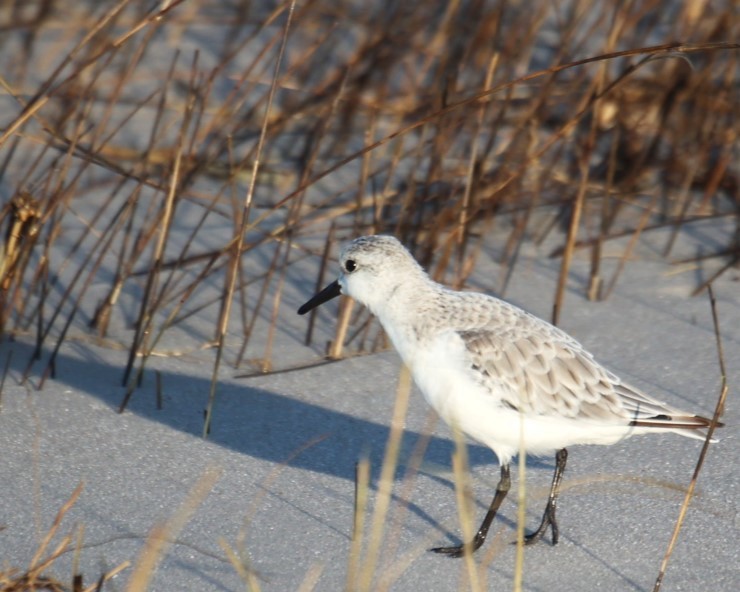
(286, 446)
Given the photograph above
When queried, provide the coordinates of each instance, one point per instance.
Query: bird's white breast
(464, 399)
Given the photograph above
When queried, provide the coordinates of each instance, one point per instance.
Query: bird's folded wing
(541, 374)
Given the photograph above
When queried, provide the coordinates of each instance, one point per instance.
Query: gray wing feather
(545, 372)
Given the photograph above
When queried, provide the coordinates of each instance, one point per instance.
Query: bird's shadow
(253, 421)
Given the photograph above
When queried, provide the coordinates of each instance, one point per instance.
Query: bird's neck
(408, 316)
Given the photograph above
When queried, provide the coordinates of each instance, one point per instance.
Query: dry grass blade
(244, 223)
(311, 580)
(362, 490)
(320, 279)
(239, 557)
(463, 494)
(575, 221)
(55, 526)
(521, 517)
(385, 484)
(163, 535)
(718, 411)
(345, 313)
(245, 573)
(146, 311)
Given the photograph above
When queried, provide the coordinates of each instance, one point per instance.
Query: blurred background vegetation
(130, 134)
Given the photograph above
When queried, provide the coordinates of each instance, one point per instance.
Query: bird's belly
(454, 393)
(477, 411)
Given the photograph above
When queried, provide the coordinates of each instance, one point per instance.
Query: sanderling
(495, 371)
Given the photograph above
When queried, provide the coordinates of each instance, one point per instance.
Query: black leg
(502, 489)
(548, 518)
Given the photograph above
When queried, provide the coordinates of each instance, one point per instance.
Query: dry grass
(140, 177)
(33, 578)
(144, 170)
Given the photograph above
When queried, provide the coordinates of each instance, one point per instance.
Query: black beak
(331, 291)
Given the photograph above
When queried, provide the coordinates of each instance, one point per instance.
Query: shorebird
(498, 373)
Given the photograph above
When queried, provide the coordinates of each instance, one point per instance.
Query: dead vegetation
(165, 163)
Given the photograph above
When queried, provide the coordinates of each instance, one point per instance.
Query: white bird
(495, 371)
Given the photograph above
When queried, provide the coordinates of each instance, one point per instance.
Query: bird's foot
(459, 550)
(548, 521)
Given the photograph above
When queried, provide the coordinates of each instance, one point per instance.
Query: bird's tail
(692, 426)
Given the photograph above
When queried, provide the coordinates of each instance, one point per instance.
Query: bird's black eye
(350, 265)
